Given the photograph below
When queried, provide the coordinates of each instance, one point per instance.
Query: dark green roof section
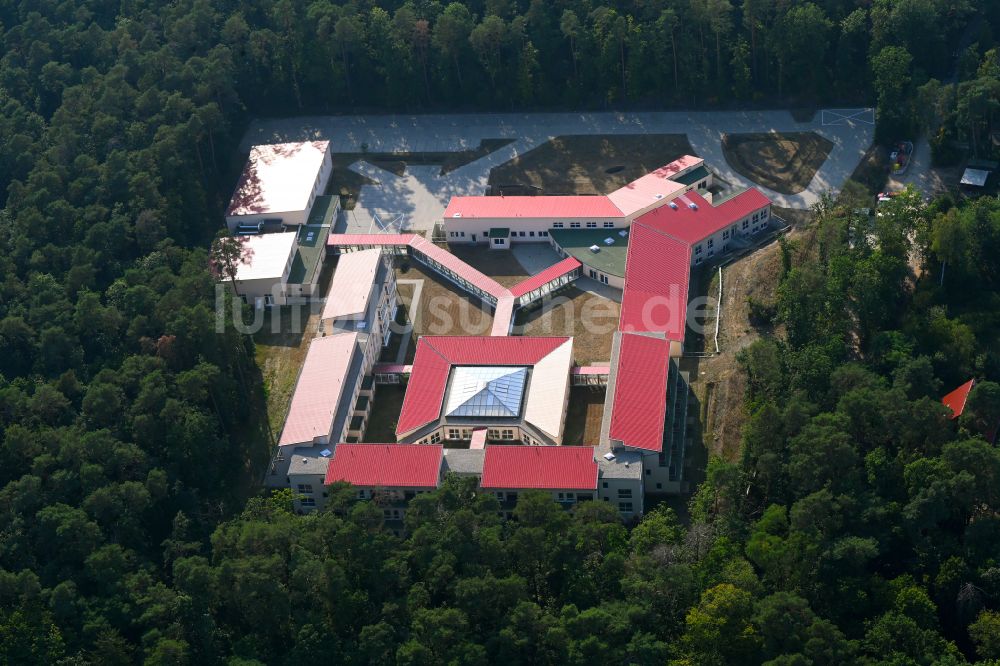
(736, 191)
(499, 232)
(309, 250)
(577, 243)
(695, 175)
(324, 209)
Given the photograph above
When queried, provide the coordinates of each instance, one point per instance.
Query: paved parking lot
(421, 194)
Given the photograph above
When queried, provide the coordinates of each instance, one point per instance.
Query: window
(574, 225)
(307, 501)
(711, 243)
(585, 497)
(543, 233)
(648, 471)
(701, 185)
(604, 278)
(305, 489)
(436, 437)
(609, 225)
(624, 493)
(530, 233)
(756, 216)
(511, 497)
(659, 485)
(506, 433)
(697, 249)
(625, 507)
(591, 225)
(557, 225)
(763, 214)
(500, 496)
(725, 234)
(454, 433)
(746, 224)
(498, 241)
(463, 234)
(362, 494)
(592, 273)
(521, 233)
(734, 231)
(604, 485)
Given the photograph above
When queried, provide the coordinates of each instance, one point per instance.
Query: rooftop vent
(609, 456)
(623, 233)
(673, 204)
(693, 206)
(595, 249)
(657, 196)
(457, 215)
(609, 241)
(326, 453)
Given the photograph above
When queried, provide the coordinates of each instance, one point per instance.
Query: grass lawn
(588, 164)
(784, 162)
(387, 404)
(589, 318)
(443, 308)
(583, 417)
(501, 265)
(347, 183)
(868, 179)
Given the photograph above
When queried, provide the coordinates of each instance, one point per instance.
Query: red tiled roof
(955, 401)
(336, 240)
(541, 206)
(537, 280)
(436, 354)
(639, 407)
(692, 226)
(386, 465)
(543, 467)
(459, 267)
(657, 270)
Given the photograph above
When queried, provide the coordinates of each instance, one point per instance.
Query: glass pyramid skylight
(486, 391)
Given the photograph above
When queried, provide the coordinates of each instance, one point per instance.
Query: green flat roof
(309, 249)
(499, 232)
(692, 176)
(576, 243)
(323, 210)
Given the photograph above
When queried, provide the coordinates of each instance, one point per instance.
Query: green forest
(859, 524)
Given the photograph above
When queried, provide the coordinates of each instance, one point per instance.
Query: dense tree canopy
(860, 524)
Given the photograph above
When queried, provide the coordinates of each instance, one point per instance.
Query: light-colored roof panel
(976, 177)
(548, 390)
(654, 187)
(319, 389)
(695, 219)
(502, 316)
(265, 256)
(351, 286)
(278, 178)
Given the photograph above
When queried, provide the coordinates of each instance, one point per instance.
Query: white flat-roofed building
(279, 184)
(263, 270)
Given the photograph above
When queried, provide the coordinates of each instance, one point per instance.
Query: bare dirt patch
(587, 164)
(501, 265)
(583, 417)
(784, 162)
(589, 318)
(717, 381)
(442, 307)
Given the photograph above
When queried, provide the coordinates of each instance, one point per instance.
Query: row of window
(595, 275)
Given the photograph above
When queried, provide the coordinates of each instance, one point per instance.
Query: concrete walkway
(422, 193)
